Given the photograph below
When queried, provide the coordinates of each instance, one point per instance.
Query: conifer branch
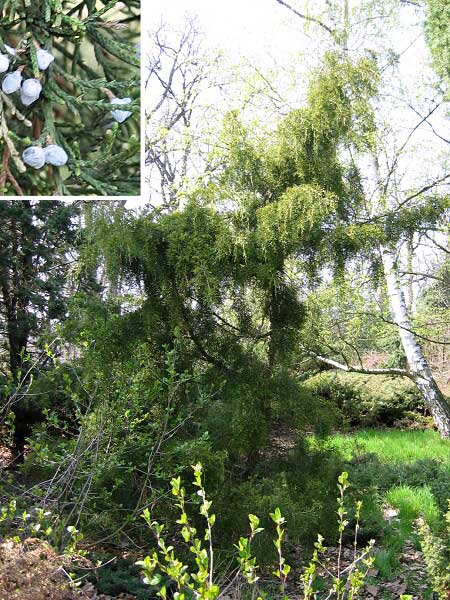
(58, 63)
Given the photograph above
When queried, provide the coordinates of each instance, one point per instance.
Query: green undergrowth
(116, 576)
(403, 471)
(413, 502)
(394, 446)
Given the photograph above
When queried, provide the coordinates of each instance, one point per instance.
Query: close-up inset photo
(69, 98)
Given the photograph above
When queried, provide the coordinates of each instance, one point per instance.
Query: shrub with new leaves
(69, 97)
(163, 568)
(367, 400)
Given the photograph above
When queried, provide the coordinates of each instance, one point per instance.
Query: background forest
(275, 316)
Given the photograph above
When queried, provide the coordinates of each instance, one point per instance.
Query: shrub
(367, 399)
(116, 577)
(19, 521)
(163, 569)
(436, 552)
(135, 429)
(300, 481)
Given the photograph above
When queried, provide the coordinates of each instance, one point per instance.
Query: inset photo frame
(70, 99)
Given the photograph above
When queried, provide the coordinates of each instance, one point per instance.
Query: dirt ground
(33, 571)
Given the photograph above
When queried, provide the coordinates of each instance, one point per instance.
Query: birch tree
(387, 200)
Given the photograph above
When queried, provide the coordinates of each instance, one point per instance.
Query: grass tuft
(413, 502)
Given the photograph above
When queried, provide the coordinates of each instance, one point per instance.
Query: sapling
(163, 565)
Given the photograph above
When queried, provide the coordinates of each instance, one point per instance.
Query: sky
(261, 30)
(254, 28)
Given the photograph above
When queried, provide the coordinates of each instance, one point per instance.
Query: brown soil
(33, 571)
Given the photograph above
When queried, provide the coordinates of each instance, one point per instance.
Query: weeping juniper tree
(213, 277)
(195, 359)
(69, 99)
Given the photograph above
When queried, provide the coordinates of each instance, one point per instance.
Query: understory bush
(436, 552)
(116, 576)
(141, 418)
(197, 577)
(134, 431)
(365, 400)
(19, 521)
(300, 482)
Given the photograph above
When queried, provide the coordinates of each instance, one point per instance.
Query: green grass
(394, 446)
(413, 502)
(408, 470)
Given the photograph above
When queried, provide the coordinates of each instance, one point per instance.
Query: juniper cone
(12, 83)
(44, 59)
(4, 63)
(121, 115)
(34, 156)
(55, 155)
(30, 91)
(60, 65)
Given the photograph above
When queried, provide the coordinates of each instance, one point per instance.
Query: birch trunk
(420, 372)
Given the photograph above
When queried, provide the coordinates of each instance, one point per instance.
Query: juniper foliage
(63, 65)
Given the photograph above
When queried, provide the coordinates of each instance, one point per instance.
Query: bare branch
(307, 17)
(405, 143)
(424, 275)
(433, 241)
(355, 369)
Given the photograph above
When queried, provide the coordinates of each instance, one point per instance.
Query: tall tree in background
(36, 238)
(395, 206)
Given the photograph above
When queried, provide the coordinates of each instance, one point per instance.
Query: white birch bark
(419, 369)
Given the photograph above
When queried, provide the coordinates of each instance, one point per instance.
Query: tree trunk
(418, 366)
